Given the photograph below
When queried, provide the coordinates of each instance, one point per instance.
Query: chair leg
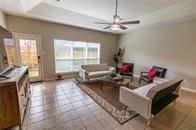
(131, 78)
(140, 80)
(174, 102)
(125, 107)
(149, 120)
(20, 127)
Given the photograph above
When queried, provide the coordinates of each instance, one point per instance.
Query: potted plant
(59, 76)
(117, 57)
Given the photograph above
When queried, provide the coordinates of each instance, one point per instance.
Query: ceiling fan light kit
(115, 27)
(116, 18)
(117, 23)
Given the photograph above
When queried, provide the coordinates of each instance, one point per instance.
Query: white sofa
(150, 99)
(90, 71)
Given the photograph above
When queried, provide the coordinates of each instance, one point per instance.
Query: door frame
(17, 36)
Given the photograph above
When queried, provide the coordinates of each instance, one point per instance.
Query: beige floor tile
(72, 94)
(36, 94)
(63, 102)
(50, 105)
(36, 109)
(88, 101)
(41, 125)
(70, 115)
(121, 127)
(66, 108)
(95, 126)
(181, 107)
(37, 103)
(187, 126)
(138, 123)
(59, 127)
(61, 97)
(49, 100)
(93, 107)
(37, 98)
(75, 124)
(189, 101)
(52, 112)
(109, 122)
(88, 119)
(193, 111)
(100, 113)
(77, 104)
(54, 121)
(170, 119)
(74, 99)
(36, 117)
(83, 111)
(191, 118)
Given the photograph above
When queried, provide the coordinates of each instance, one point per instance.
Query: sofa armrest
(140, 104)
(112, 69)
(83, 74)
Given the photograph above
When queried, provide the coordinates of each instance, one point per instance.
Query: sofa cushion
(95, 67)
(144, 89)
(99, 72)
(158, 80)
(165, 88)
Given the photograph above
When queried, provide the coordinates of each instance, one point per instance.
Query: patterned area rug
(114, 108)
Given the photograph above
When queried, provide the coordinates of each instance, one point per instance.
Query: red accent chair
(127, 73)
(155, 71)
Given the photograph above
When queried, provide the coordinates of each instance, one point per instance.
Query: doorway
(28, 50)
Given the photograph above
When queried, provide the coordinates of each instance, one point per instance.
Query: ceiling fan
(117, 23)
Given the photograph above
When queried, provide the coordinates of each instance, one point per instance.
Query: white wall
(172, 46)
(2, 20)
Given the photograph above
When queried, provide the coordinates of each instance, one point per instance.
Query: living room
(72, 44)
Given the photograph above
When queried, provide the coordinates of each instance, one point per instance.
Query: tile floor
(61, 105)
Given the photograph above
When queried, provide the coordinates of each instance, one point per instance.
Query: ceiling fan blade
(130, 22)
(107, 27)
(123, 27)
(103, 23)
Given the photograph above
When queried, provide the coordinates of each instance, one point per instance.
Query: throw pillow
(126, 68)
(152, 73)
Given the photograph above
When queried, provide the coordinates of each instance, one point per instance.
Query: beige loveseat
(88, 72)
(152, 98)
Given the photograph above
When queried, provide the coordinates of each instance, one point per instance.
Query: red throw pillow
(152, 73)
(126, 68)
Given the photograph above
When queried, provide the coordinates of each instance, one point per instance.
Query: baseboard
(49, 79)
(189, 90)
(54, 78)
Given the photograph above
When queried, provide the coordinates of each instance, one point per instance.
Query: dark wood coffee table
(110, 81)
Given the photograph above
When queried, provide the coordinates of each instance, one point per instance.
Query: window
(70, 55)
(9, 47)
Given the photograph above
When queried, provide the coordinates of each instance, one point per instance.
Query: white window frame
(71, 58)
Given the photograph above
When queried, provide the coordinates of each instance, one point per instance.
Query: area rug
(108, 99)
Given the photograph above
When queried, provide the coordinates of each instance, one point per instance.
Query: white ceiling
(83, 13)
